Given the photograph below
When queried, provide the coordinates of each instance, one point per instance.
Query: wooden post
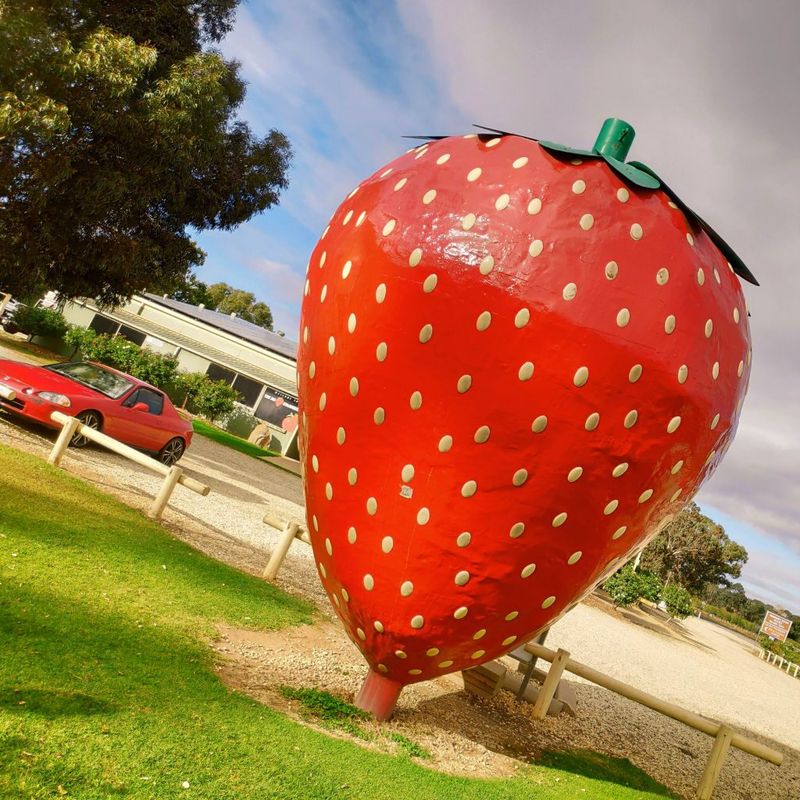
(548, 690)
(281, 549)
(165, 492)
(722, 743)
(62, 442)
(540, 639)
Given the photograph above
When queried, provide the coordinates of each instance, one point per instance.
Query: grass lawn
(229, 440)
(107, 686)
(32, 352)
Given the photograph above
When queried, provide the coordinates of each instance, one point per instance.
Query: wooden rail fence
(724, 737)
(289, 532)
(173, 475)
(774, 658)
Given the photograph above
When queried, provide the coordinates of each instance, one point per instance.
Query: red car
(102, 398)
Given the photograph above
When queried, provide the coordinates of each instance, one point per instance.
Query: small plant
(650, 586)
(677, 600)
(409, 747)
(624, 586)
(214, 399)
(330, 711)
(39, 322)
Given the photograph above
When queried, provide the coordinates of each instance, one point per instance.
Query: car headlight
(54, 397)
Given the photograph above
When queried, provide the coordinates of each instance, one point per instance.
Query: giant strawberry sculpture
(516, 366)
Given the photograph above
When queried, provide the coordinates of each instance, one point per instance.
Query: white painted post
(722, 743)
(62, 442)
(165, 492)
(548, 689)
(281, 549)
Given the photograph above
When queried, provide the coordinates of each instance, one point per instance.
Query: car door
(144, 428)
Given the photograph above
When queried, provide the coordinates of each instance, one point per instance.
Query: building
(259, 364)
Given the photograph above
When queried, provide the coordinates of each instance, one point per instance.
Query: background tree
(118, 132)
(192, 290)
(694, 551)
(229, 300)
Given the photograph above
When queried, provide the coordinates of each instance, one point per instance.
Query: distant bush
(730, 617)
(39, 322)
(650, 586)
(677, 600)
(788, 649)
(215, 399)
(624, 586)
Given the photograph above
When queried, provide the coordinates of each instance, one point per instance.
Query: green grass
(328, 710)
(107, 683)
(409, 747)
(32, 352)
(229, 440)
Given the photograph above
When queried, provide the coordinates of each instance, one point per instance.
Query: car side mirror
(140, 407)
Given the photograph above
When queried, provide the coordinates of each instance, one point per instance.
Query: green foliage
(228, 300)
(214, 399)
(79, 339)
(624, 586)
(650, 586)
(409, 747)
(677, 600)
(788, 649)
(330, 711)
(39, 321)
(694, 551)
(193, 291)
(730, 617)
(118, 136)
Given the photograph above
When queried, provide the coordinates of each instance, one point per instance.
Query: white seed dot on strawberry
(417, 621)
(443, 159)
(387, 544)
(528, 570)
(539, 424)
(483, 321)
(517, 529)
(520, 476)
(328, 545)
(486, 265)
(429, 197)
(378, 625)
(623, 195)
(389, 227)
(579, 187)
(380, 293)
(736, 315)
(715, 422)
(715, 370)
(592, 421)
(581, 376)
(464, 384)
(406, 588)
(415, 257)
(673, 424)
(536, 248)
(346, 269)
(323, 401)
(509, 640)
(669, 324)
(559, 519)
(445, 443)
(423, 516)
(535, 206)
(620, 469)
(352, 321)
(511, 616)
(683, 373)
(569, 292)
(352, 476)
(525, 372)
(415, 401)
(677, 467)
(635, 373)
(740, 369)
(324, 293)
(547, 602)
(467, 221)
(675, 495)
(482, 434)
(690, 238)
(361, 217)
(502, 202)
(611, 507)
(369, 582)
(623, 317)
(479, 634)
(631, 418)
(425, 333)
(574, 474)
(619, 532)
(645, 495)
(662, 276)
(469, 489)
(354, 386)
(381, 351)
(341, 435)
(462, 578)
(522, 318)
(460, 613)
(474, 174)
(636, 231)
(372, 506)
(431, 652)
(701, 276)
(709, 328)
(407, 473)
(716, 276)
(312, 370)
(478, 654)
(612, 270)
(463, 539)
(400, 654)
(575, 557)
(347, 217)
(520, 162)
(586, 222)
(446, 664)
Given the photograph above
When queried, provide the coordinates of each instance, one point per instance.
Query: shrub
(214, 399)
(650, 586)
(624, 586)
(79, 339)
(677, 600)
(39, 321)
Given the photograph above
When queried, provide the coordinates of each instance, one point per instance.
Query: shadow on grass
(52, 704)
(600, 767)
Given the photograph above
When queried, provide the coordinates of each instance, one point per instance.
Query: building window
(132, 335)
(248, 389)
(101, 324)
(218, 373)
(278, 409)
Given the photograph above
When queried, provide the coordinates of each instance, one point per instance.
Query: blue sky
(705, 86)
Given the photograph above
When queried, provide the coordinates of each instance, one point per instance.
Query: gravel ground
(704, 668)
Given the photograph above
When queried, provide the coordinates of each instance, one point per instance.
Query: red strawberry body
(514, 369)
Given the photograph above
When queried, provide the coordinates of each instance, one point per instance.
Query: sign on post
(775, 626)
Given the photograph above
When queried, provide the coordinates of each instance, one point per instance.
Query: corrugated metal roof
(233, 325)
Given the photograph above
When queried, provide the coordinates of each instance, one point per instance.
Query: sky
(711, 88)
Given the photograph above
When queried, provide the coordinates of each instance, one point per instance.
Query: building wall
(191, 362)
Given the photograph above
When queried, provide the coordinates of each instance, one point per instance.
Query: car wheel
(91, 419)
(172, 451)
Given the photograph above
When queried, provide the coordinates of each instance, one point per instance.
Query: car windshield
(102, 380)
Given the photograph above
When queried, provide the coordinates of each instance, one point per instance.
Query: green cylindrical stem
(615, 139)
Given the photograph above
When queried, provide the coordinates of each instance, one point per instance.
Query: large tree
(694, 551)
(118, 135)
(230, 300)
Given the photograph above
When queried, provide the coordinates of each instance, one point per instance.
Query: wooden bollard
(548, 690)
(722, 743)
(62, 442)
(165, 492)
(281, 549)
